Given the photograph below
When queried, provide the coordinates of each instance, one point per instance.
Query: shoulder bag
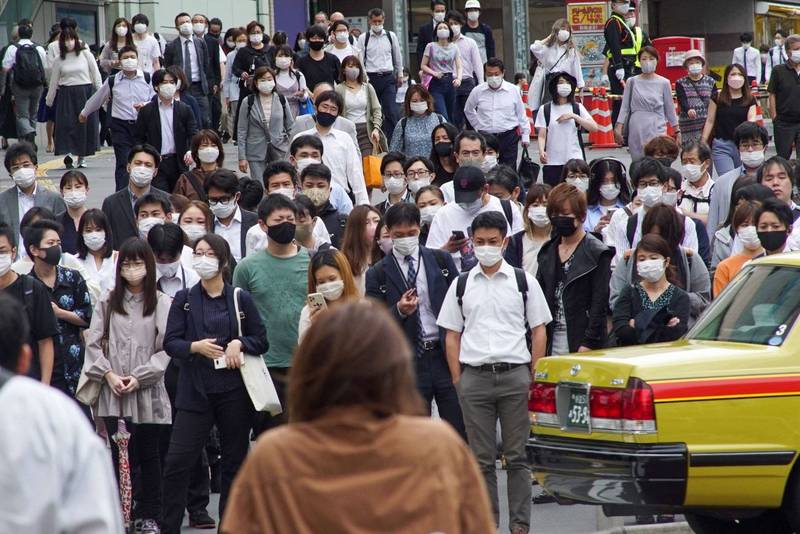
(88, 390)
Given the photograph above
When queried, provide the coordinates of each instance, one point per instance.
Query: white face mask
(693, 172)
(256, 38)
(377, 28)
(129, 64)
(649, 66)
(75, 199)
(752, 160)
(538, 216)
(563, 35)
(167, 90)
(695, 68)
(443, 34)
(305, 162)
(419, 107)
(147, 224)
(670, 198)
(795, 56)
(240, 45)
(651, 195)
(288, 192)
(133, 275)
(473, 15)
(746, 46)
(24, 177)
(438, 17)
(208, 154)
(194, 231)
(342, 37)
(456, 29)
(488, 255)
(265, 87)
(121, 31)
(564, 89)
(351, 73)
(223, 210)
(5, 263)
(168, 270)
(489, 162)
(331, 290)
(621, 9)
(94, 240)
(230, 43)
(778, 42)
(199, 28)
(394, 186)
(205, 267)
(651, 270)
(748, 237)
(428, 213)
(735, 82)
(581, 183)
(283, 62)
(406, 246)
(416, 185)
(494, 81)
(609, 191)
(141, 176)
(140, 27)
(185, 29)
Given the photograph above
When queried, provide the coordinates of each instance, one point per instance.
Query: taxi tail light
(605, 403)
(638, 407)
(542, 403)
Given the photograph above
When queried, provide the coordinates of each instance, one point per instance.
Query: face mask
(342, 37)
(735, 82)
(488, 256)
(693, 172)
(494, 81)
(282, 233)
(469, 162)
(695, 68)
(194, 231)
(24, 177)
(386, 245)
(538, 216)
(325, 120)
(185, 29)
(129, 64)
(352, 73)
(230, 43)
(5, 263)
(406, 246)
(256, 38)
(121, 31)
(133, 275)
(94, 241)
(621, 9)
(438, 17)
(283, 62)
(331, 290)
(52, 255)
(473, 15)
(240, 45)
(456, 29)
(630, 22)
(649, 66)
(472, 207)
(581, 183)
(288, 192)
(208, 154)
(70, 44)
(609, 191)
(443, 34)
(167, 90)
(748, 236)
(316, 45)
(795, 56)
(489, 163)
(564, 89)
(205, 267)
(752, 160)
(140, 28)
(145, 225)
(564, 226)
(222, 210)
(746, 46)
(302, 163)
(779, 42)
(563, 35)
(75, 199)
(669, 198)
(395, 186)
(377, 28)
(141, 176)
(773, 241)
(428, 213)
(419, 107)
(199, 28)
(168, 270)
(266, 87)
(651, 270)
(317, 195)
(443, 149)
(651, 195)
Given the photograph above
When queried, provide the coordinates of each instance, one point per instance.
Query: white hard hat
(472, 4)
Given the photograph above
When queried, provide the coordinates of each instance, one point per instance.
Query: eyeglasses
(220, 200)
(653, 183)
(751, 146)
(394, 175)
(207, 254)
(414, 175)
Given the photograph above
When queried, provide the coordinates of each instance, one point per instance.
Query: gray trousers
(486, 397)
(26, 102)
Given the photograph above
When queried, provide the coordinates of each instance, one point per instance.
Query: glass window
(760, 306)
(86, 18)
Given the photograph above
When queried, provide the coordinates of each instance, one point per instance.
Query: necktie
(744, 57)
(411, 279)
(187, 60)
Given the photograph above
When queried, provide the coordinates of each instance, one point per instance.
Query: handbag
(256, 375)
(528, 169)
(88, 390)
(372, 167)
(305, 107)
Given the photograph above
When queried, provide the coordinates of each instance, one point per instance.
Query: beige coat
(134, 349)
(352, 472)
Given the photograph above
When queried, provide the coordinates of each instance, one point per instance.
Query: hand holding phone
(316, 301)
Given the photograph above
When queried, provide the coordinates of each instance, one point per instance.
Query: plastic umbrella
(121, 437)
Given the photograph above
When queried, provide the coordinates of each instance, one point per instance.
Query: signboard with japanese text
(587, 19)
(586, 16)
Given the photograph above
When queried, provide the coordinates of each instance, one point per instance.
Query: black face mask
(52, 255)
(443, 149)
(316, 45)
(773, 241)
(282, 233)
(564, 226)
(325, 120)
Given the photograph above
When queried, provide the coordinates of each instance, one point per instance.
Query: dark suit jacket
(212, 45)
(424, 36)
(185, 325)
(119, 212)
(9, 205)
(148, 127)
(173, 55)
(249, 219)
(390, 286)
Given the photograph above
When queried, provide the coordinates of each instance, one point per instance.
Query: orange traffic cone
(670, 129)
(759, 111)
(528, 111)
(604, 137)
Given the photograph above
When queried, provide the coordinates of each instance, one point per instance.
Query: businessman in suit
(413, 281)
(425, 33)
(191, 54)
(230, 221)
(167, 125)
(22, 164)
(142, 168)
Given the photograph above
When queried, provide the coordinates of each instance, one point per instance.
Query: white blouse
(552, 59)
(80, 69)
(355, 104)
(103, 277)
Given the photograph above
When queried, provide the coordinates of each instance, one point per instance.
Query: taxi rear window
(760, 307)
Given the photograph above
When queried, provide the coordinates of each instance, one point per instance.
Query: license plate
(578, 410)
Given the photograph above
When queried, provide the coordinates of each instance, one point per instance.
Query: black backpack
(577, 111)
(28, 68)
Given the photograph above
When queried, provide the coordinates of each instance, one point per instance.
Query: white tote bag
(256, 375)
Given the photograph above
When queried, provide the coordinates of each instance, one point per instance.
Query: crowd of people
(483, 269)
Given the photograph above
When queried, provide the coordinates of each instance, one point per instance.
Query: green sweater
(278, 287)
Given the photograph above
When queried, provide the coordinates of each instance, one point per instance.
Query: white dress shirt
(471, 64)
(102, 278)
(232, 233)
(127, 92)
(380, 55)
(343, 158)
(427, 317)
(11, 54)
(562, 137)
(497, 111)
(192, 55)
(777, 56)
(750, 58)
(24, 203)
(493, 322)
(618, 228)
(184, 279)
(166, 113)
(55, 473)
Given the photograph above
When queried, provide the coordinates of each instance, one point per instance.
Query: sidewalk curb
(669, 528)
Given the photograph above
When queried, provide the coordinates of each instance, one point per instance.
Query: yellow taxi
(708, 426)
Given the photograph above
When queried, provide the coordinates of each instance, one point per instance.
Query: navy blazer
(424, 36)
(173, 55)
(184, 326)
(390, 287)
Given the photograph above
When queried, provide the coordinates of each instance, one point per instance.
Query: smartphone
(219, 363)
(458, 235)
(316, 300)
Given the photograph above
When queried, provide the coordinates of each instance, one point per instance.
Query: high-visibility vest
(636, 41)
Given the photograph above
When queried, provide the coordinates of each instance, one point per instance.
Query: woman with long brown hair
(121, 36)
(328, 274)
(358, 420)
(358, 244)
